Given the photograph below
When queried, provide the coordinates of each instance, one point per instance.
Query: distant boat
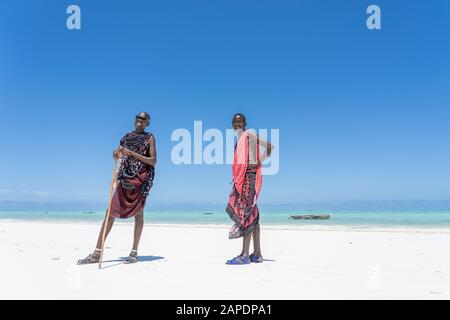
(310, 217)
(88, 212)
(207, 213)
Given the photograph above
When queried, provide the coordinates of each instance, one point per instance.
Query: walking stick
(107, 214)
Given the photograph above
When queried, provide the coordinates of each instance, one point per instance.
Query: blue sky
(363, 115)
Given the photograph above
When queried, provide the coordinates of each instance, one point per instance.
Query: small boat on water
(88, 212)
(310, 217)
(207, 213)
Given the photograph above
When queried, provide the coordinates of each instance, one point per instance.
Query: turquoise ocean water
(434, 219)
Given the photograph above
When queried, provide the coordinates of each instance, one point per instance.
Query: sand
(38, 261)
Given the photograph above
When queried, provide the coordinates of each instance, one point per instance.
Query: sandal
(92, 258)
(239, 260)
(256, 259)
(133, 257)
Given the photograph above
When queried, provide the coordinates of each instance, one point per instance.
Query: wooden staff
(107, 214)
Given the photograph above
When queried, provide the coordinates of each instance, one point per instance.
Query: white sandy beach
(38, 261)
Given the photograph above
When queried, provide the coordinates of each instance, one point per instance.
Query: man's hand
(260, 163)
(116, 154)
(125, 151)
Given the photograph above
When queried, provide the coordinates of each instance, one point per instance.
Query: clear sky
(363, 115)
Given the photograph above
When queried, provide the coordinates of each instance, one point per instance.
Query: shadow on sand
(122, 260)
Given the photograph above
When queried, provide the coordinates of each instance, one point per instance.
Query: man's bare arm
(262, 142)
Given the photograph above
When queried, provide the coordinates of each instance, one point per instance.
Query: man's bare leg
(257, 241)
(108, 229)
(243, 258)
(246, 245)
(138, 227)
(95, 256)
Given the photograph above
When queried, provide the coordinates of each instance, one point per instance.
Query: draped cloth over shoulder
(247, 181)
(135, 178)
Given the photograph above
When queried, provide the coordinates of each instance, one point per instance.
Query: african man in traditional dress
(247, 180)
(137, 158)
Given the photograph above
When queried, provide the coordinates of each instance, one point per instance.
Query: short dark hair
(146, 114)
(240, 115)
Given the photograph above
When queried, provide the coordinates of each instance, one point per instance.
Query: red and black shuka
(247, 180)
(134, 178)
